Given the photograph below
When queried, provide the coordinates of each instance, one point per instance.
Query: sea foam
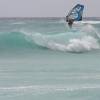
(82, 40)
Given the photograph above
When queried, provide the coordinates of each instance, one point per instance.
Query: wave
(88, 22)
(52, 87)
(85, 39)
(81, 22)
(75, 40)
(85, 43)
(14, 40)
(45, 89)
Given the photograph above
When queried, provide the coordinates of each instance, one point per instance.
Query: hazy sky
(46, 8)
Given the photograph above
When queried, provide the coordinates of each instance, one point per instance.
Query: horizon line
(46, 17)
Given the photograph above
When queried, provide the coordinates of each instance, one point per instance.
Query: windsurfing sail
(76, 13)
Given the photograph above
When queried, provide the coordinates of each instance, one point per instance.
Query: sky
(46, 8)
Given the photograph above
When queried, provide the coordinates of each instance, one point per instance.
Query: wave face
(53, 34)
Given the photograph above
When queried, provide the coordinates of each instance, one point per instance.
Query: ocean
(43, 59)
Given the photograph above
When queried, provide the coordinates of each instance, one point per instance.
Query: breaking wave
(85, 39)
(76, 40)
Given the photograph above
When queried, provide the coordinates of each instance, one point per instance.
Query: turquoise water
(43, 59)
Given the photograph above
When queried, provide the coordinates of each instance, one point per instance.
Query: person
(70, 21)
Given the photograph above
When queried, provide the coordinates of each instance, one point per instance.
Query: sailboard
(76, 13)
